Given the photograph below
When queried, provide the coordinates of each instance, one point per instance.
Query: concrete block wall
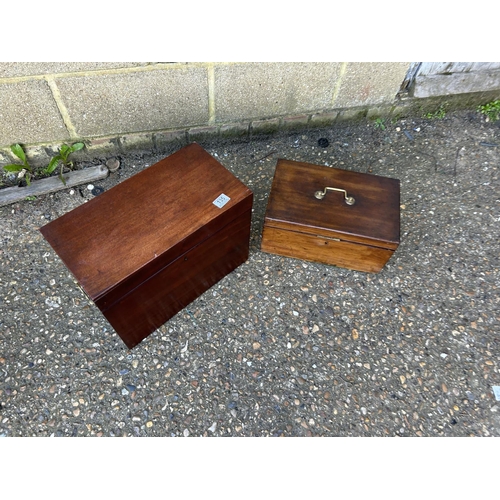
(145, 105)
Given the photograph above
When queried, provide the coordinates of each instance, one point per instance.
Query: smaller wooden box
(333, 216)
(149, 246)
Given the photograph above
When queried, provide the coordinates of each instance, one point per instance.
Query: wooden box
(355, 225)
(149, 246)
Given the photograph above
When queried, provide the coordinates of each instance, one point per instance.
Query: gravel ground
(280, 347)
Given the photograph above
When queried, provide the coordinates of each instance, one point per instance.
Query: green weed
(438, 114)
(62, 159)
(379, 123)
(24, 170)
(491, 110)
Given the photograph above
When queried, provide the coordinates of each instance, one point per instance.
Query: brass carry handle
(348, 199)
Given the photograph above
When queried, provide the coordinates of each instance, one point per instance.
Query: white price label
(496, 392)
(221, 200)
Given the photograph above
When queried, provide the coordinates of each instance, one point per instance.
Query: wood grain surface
(152, 244)
(361, 237)
(165, 293)
(355, 256)
(156, 214)
(373, 219)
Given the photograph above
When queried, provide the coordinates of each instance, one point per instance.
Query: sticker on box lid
(221, 200)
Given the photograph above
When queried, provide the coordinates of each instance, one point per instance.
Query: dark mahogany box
(152, 244)
(333, 216)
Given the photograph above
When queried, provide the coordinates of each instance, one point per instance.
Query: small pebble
(90, 187)
(53, 302)
(469, 395)
(113, 164)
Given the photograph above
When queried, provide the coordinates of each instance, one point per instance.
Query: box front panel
(324, 250)
(171, 289)
(142, 274)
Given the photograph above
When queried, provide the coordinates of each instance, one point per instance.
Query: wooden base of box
(345, 254)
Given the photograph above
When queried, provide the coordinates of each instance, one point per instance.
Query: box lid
(146, 221)
(373, 219)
